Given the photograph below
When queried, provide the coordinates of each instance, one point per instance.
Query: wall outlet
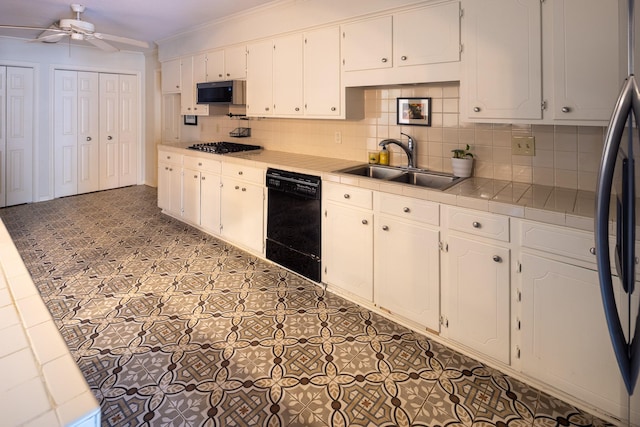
(338, 137)
(523, 145)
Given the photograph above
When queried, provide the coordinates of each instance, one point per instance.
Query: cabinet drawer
(482, 224)
(200, 163)
(352, 196)
(557, 240)
(243, 172)
(170, 157)
(408, 208)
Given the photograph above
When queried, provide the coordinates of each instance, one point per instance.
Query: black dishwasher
(293, 221)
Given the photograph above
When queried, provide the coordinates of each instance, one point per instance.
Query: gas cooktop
(223, 147)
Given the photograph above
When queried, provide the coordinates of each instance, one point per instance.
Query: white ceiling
(147, 20)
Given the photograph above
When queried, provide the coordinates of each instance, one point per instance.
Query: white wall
(47, 57)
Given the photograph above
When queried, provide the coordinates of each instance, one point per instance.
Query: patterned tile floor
(173, 327)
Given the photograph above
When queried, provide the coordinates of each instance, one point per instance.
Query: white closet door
(128, 130)
(88, 133)
(109, 112)
(19, 166)
(3, 135)
(65, 133)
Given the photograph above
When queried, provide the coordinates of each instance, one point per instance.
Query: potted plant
(462, 162)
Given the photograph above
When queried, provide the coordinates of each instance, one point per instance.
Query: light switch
(523, 145)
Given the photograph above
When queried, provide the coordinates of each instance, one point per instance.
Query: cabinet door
(171, 118)
(210, 202)
(170, 188)
(407, 271)
(478, 288)
(347, 249)
(242, 214)
(215, 66)
(191, 196)
(200, 69)
(235, 63)
(187, 94)
(502, 59)
(287, 76)
(171, 76)
(367, 45)
(109, 114)
(65, 133)
(565, 341)
(322, 72)
(437, 40)
(88, 133)
(260, 79)
(585, 62)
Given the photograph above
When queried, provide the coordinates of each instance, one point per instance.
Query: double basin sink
(417, 177)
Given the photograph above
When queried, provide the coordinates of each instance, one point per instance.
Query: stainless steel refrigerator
(615, 232)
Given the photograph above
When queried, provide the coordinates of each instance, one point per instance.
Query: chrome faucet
(410, 148)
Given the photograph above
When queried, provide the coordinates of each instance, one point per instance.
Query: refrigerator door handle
(628, 102)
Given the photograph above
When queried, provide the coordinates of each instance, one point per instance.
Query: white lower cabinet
(347, 246)
(407, 258)
(201, 192)
(210, 201)
(242, 206)
(170, 182)
(476, 282)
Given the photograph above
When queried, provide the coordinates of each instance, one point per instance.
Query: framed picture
(414, 111)
(191, 120)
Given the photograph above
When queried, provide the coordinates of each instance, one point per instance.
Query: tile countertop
(40, 383)
(554, 205)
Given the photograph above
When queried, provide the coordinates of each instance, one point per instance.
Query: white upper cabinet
(586, 71)
(215, 66)
(375, 34)
(260, 79)
(191, 68)
(502, 60)
(200, 68)
(171, 81)
(427, 36)
(226, 64)
(288, 96)
(322, 73)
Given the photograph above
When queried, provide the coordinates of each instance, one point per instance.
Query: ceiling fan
(77, 29)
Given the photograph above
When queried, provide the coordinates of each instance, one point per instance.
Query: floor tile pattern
(172, 327)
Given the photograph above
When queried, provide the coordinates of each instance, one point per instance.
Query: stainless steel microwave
(226, 92)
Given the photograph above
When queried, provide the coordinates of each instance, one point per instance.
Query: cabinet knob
(404, 58)
(406, 210)
(188, 108)
(266, 108)
(88, 138)
(244, 189)
(199, 163)
(109, 137)
(170, 169)
(297, 108)
(385, 227)
(195, 176)
(228, 75)
(219, 75)
(476, 224)
(203, 178)
(177, 86)
(347, 196)
(365, 222)
(497, 258)
(333, 108)
(566, 109)
(239, 172)
(384, 60)
(476, 109)
(593, 251)
(166, 168)
(237, 187)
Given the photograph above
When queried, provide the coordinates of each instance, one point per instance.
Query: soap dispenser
(384, 156)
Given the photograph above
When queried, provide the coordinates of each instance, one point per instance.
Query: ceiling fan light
(77, 36)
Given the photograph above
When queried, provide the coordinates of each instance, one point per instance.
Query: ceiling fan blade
(21, 27)
(101, 44)
(51, 38)
(119, 39)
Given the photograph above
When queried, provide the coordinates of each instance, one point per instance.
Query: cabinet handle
(497, 258)
(88, 138)
(404, 58)
(406, 210)
(476, 224)
(384, 60)
(365, 222)
(566, 109)
(109, 137)
(593, 251)
(237, 187)
(347, 196)
(476, 109)
(385, 227)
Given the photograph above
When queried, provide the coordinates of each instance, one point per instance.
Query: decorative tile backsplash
(565, 156)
